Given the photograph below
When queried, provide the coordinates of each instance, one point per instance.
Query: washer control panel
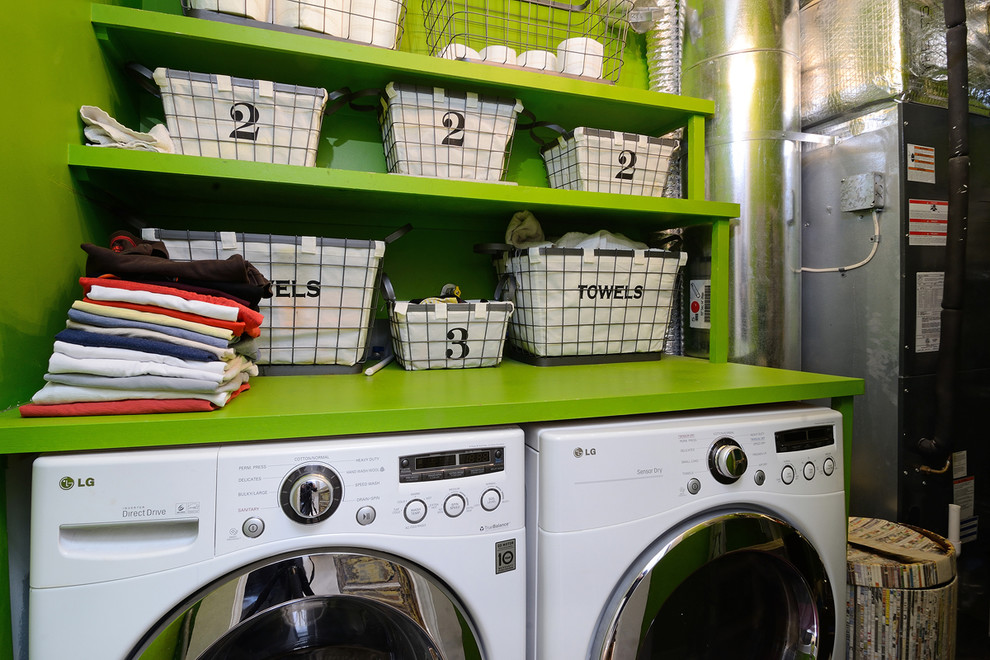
(438, 484)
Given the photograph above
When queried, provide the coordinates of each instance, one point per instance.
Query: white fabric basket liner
(254, 9)
(449, 335)
(572, 301)
(242, 119)
(429, 131)
(375, 22)
(325, 290)
(610, 161)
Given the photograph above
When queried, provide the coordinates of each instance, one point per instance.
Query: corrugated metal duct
(745, 56)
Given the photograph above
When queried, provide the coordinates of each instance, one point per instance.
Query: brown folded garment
(235, 269)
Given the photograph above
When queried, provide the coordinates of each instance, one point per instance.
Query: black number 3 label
(455, 122)
(627, 159)
(247, 120)
(459, 342)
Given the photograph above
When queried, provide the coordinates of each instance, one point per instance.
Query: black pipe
(939, 447)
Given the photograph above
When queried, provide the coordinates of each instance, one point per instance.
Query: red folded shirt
(122, 407)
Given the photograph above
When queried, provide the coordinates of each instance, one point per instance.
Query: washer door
(341, 605)
(739, 585)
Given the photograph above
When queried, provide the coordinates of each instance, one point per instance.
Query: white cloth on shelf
(115, 368)
(53, 393)
(599, 240)
(102, 130)
(164, 300)
(212, 368)
(156, 383)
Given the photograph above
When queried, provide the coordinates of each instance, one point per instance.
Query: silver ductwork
(745, 56)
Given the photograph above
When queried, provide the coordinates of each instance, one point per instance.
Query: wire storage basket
(437, 334)
(578, 305)
(374, 22)
(584, 40)
(429, 131)
(324, 293)
(254, 9)
(610, 161)
(242, 119)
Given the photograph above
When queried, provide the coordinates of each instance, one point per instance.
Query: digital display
(811, 437)
(484, 456)
(435, 461)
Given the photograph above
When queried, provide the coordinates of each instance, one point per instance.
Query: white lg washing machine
(703, 535)
(404, 546)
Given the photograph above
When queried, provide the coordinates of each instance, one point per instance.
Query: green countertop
(398, 400)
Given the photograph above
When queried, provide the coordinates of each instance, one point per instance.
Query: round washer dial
(310, 493)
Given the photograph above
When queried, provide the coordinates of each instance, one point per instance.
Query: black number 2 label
(244, 130)
(627, 159)
(461, 342)
(455, 122)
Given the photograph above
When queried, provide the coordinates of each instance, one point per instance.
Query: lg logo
(579, 452)
(67, 483)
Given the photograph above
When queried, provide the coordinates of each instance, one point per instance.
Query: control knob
(310, 494)
(727, 461)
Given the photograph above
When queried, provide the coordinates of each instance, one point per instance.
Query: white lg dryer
(702, 535)
(405, 546)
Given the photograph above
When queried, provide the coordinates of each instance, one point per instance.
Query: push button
(415, 511)
(253, 527)
(454, 505)
(809, 470)
(828, 467)
(490, 499)
(366, 515)
(787, 474)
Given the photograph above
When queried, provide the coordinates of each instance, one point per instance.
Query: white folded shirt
(138, 297)
(53, 393)
(213, 367)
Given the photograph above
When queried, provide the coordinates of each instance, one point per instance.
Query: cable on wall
(869, 257)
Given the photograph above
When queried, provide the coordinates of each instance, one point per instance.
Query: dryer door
(739, 585)
(347, 605)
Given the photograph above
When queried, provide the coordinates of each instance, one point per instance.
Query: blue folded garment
(113, 322)
(135, 344)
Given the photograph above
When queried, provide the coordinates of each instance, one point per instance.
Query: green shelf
(156, 39)
(176, 182)
(397, 400)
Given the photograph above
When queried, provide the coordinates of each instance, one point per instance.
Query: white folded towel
(102, 130)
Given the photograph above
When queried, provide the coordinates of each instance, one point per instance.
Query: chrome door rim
(776, 534)
(440, 606)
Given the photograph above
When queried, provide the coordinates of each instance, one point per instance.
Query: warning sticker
(920, 163)
(699, 309)
(928, 318)
(928, 221)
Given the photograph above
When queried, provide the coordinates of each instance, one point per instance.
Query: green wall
(52, 65)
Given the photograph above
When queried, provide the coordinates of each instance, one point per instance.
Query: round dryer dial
(727, 461)
(310, 494)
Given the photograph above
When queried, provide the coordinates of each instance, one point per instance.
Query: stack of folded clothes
(153, 335)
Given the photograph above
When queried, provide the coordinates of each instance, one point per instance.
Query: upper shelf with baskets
(156, 39)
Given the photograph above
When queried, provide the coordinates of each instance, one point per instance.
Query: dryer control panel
(610, 472)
